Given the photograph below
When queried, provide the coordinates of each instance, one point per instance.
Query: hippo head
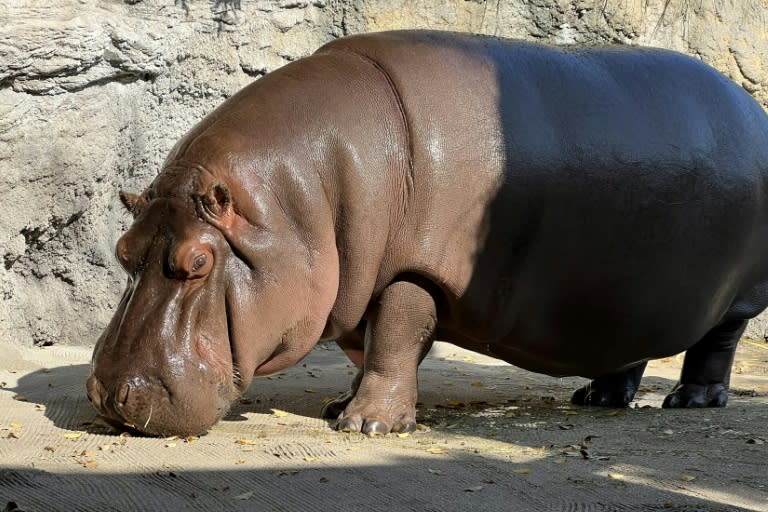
(217, 292)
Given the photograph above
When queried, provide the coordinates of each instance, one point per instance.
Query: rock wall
(93, 94)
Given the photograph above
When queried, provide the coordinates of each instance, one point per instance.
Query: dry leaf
(310, 390)
(245, 496)
(477, 384)
(279, 414)
(170, 445)
(240, 461)
(477, 488)
(522, 471)
(324, 479)
(49, 449)
(74, 435)
(13, 435)
(20, 398)
(246, 442)
(616, 476)
(437, 451)
(687, 478)
(309, 458)
(403, 435)
(16, 425)
(436, 472)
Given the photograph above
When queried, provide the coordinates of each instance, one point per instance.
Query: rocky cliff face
(93, 94)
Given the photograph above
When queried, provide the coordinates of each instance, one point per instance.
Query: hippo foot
(376, 419)
(592, 396)
(364, 409)
(696, 396)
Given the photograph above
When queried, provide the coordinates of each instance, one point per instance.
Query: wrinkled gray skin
(573, 212)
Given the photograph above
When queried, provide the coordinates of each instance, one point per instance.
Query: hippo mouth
(183, 396)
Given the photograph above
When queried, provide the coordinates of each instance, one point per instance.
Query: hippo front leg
(398, 335)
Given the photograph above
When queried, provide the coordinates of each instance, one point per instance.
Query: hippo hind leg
(611, 390)
(707, 368)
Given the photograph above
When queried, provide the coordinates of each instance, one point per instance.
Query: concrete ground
(492, 437)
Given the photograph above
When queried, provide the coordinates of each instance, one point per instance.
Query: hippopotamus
(572, 211)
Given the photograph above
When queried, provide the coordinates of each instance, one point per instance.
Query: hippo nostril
(122, 394)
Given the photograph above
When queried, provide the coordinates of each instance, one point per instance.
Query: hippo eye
(191, 261)
(199, 263)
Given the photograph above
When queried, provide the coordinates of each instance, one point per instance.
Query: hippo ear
(217, 205)
(134, 203)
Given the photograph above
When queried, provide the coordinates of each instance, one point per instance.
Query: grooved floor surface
(492, 437)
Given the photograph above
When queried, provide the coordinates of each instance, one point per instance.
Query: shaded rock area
(93, 94)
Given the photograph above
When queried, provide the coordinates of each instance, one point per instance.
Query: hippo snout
(148, 406)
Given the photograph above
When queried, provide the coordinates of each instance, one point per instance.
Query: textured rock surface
(94, 93)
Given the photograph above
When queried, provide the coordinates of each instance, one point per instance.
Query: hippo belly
(618, 269)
